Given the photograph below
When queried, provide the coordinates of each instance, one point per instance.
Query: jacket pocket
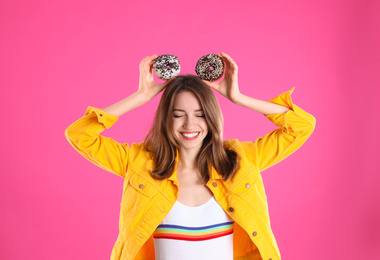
(250, 192)
(142, 185)
(137, 194)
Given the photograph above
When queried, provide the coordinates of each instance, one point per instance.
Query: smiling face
(189, 124)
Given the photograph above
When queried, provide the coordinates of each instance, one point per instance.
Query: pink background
(58, 57)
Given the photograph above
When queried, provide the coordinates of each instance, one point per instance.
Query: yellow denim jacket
(146, 201)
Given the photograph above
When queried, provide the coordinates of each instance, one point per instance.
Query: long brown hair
(162, 145)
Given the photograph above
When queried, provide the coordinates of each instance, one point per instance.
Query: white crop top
(202, 232)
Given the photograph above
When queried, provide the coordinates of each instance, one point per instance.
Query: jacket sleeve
(295, 127)
(84, 136)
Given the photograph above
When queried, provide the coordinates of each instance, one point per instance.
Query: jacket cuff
(105, 118)
(284, 120)
(284, 99)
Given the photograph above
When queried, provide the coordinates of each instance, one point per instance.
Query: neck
(187, 158)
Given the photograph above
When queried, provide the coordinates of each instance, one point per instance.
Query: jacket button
(100, 114)
(247, 185)
(254, 233)
(231, 209)
(141, 186)
(214, 184)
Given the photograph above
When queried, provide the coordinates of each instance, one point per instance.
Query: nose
(189, 122)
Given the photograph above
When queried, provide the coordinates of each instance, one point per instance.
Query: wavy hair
(162, 145)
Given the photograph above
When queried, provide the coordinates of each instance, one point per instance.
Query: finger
(226, 56)
(152, 58)
(142, 63)
(211, 84)
(151, 69)
(166, 83)
(151, 62)
(148, 63)
(225, 59)
(230, 60)
(169, 80)
(206, 82)
(149, 58)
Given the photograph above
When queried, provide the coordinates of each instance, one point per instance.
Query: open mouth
(190, 135)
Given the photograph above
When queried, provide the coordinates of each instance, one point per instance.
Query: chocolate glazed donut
(166, 66)
(210, 67)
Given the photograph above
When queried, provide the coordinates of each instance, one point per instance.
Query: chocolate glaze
(203, 67)
(166, 66)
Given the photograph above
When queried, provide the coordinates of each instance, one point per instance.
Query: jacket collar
(214, 174)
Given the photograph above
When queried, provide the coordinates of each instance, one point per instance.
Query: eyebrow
(180, 110)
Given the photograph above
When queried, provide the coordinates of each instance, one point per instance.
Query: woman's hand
(148, 88)
(228, 86)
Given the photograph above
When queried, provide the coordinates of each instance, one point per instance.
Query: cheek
(173, 132)
(174, 125)
(205, 126)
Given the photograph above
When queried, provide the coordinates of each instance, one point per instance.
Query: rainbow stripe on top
(193, 233)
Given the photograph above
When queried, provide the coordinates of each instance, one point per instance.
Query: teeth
(190, 135)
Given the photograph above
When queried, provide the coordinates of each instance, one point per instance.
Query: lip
(190, 138)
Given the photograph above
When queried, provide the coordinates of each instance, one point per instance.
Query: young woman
(187, 193)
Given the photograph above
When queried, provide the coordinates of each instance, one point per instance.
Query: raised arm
(229, 88)
(295, 125)
(147, 90)
(84, 134)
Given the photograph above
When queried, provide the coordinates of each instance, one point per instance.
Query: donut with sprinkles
(166, 66)
(210, 67)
